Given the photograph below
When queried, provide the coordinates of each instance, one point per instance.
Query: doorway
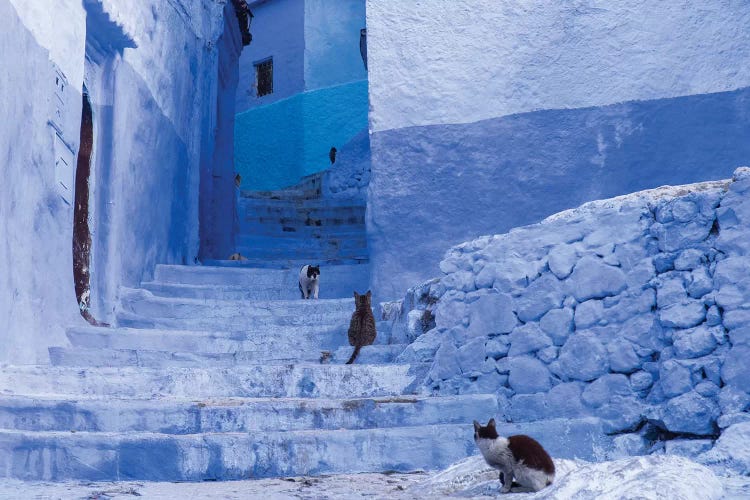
(81, 231)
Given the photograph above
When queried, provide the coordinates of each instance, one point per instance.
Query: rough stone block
(622, 356)
(528, 375)
(684, 315)
(689, 259)
(604, 388)
(589, 313)
(446, 364)
(593, 279)
(497, 347)
(694, 342)
(736, 368)
(584, 357)
(690, 413)
(561, 260)
(471, 356)
(674, 378)
(491, 314)
(557, 323)
(527, 338)
(540, 296)
(641, 380)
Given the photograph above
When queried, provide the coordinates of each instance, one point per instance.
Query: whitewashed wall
(438, 62)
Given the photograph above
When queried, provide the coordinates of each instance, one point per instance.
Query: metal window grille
(264, 77)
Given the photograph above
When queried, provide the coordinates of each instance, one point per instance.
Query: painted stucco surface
(460, 181)
(439, 62)
(149, 117)
(332, 55)
(278, 32)
(276, 145)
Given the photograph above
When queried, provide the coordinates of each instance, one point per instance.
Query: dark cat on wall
(362, 329)
(519, 458)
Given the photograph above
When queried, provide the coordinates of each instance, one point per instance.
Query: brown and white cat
(362, 330)
(520, 458)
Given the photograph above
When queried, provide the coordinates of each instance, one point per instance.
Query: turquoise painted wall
(277, 144)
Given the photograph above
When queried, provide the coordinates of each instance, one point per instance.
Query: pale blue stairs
(220, 371)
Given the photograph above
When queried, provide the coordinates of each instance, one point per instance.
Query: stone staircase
(220, 372)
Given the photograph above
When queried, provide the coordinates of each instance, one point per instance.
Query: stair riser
(226, 457)
(225, 323)
(255, 278)
(300, 244)
(206, 358)
(286, 342)
(303, 212)
(302, 231)
(306, 381)
(218, 293)
(298, 312)
(287, 292)
(331, 223)
(170, 359)
(263, 415)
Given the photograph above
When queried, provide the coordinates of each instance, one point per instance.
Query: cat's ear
(356, 295)
(491, 423)
(476, 426)
(369, 294)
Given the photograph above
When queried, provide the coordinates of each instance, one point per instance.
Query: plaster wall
(436, 62)
(332, 33)
(278, 144)
(278, 30)
(486, 116)
(158, 94)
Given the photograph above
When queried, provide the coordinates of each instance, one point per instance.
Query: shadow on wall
(461, 181)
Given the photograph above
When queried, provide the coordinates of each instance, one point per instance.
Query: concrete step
(293, 231)
(149, 358)
(57, 456)
(373, 354)
(286, 263)
(281, 344)
(302, 381)
(308, 256)
(351, 242)
(233, 315)
(330, 223)
(243, 273)
(175, 416)
(244, 293)
(303, 210)
(311, 203)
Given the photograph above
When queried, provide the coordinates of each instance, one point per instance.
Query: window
(264, 77)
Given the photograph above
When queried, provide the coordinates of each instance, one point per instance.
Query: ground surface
(657, 477)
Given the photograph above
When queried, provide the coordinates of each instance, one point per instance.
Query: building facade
(302, 89)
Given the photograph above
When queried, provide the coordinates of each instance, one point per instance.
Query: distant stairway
(220, 371)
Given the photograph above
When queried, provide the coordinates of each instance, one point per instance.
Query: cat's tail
(354, 355)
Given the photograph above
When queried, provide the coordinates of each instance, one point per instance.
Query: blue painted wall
(276, 145)
(320, 96)
(456, 182)
(332, 54)
(278, 30)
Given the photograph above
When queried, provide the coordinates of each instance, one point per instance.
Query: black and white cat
(520, 458)
(309, 281)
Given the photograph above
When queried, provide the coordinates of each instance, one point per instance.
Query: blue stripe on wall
(457, 182)
(278, 144)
